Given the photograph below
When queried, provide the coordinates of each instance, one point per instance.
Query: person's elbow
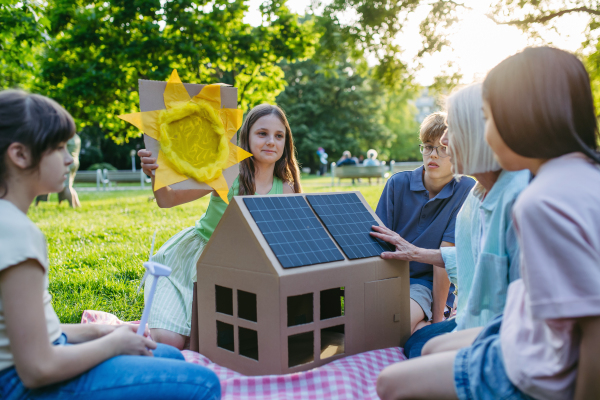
(165, 198)
(36, 375)
(164, 203)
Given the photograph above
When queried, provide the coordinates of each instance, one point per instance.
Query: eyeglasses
(426, 150)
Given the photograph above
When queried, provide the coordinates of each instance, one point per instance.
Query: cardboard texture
(174, 102)
(246, 302)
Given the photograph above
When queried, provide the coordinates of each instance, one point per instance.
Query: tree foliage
(101, 48)
(344, 110)
(23, 28)
(530, 15)
(371, 27)
(338, 112)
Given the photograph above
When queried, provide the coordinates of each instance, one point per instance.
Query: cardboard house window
(247, 306)
(224, 300)
(225, 336)
(332, 341)
(300, 309)
(248, 343)
(332, 303)
(301, 349)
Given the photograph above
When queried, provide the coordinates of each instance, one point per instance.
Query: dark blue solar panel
(292, 230)
(349, 222)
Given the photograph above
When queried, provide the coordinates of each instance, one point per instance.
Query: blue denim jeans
(479, 372)
(164, 376)
(414, 344)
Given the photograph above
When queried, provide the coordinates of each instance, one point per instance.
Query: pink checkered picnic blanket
(353, 377)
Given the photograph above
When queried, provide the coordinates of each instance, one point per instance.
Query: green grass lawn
(96, 251)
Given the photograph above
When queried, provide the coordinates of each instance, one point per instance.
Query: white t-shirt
(21, 240)
(557, 219)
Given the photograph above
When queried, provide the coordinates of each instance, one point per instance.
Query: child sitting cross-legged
(39, 357)
(540, 116)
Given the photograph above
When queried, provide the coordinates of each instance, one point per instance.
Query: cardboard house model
(291, 282)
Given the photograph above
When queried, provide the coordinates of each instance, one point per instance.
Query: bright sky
(478, 44)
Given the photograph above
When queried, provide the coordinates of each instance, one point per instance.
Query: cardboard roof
(242, 245)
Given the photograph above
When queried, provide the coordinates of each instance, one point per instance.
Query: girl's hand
(126, 342)
(148, 163)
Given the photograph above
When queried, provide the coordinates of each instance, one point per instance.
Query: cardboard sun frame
(151, 94)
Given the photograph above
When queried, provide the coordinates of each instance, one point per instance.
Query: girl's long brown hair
(286, 168)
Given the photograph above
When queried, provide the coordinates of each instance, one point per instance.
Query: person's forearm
(79, 333)
(429, 256)
(167, 197)
(66, 362)
(441, 285)
(588, 385)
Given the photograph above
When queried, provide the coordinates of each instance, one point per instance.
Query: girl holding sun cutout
(272, 169)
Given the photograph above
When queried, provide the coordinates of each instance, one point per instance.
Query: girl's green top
(207, 223)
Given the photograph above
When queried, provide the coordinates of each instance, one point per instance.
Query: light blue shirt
(370, 162)
(486, 257)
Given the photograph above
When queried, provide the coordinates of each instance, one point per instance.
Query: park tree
(531, 15)
(534, 16)
(23, 32)
(99, 50)
(339, 110)
(343, 109)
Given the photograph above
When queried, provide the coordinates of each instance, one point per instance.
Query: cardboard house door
(383, 307)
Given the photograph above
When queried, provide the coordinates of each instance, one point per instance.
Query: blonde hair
(372, 153)
(466, 132)
(432, 127)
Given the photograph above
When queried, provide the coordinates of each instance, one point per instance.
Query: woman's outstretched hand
(127, 342)
(404, 249)
(148, 163)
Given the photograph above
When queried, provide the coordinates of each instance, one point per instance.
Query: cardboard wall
(376, 298)
(151, 98)
(267, 326)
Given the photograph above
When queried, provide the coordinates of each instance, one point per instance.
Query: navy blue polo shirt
(405, 207)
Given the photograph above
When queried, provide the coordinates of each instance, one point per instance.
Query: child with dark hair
(539, 116)
(39, 357)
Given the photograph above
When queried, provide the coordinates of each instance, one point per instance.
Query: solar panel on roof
(292, 231)
(349, 222)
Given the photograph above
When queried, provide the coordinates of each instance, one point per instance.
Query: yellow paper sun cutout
(194, 135)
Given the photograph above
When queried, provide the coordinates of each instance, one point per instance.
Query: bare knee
(168, 337)
(429, 347)
(421, 324)
(392, 385)
(387, 385)
(417, 316)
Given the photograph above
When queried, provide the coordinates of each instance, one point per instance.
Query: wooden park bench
(404, 166)
(106, 178)
(357, 171)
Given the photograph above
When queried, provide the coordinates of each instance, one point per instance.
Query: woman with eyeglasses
(419, 207)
